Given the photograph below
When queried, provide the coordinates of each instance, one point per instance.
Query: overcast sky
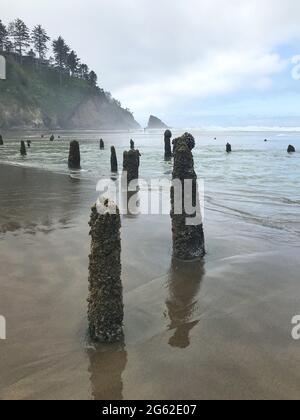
(190, 62)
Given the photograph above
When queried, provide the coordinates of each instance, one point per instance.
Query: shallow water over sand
(259, 181)
(221, 329)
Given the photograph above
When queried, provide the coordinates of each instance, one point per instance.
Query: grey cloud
(135, 44)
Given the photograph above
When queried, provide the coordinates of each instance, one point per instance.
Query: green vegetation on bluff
(32, 88)
(33, 97)
(59, 92)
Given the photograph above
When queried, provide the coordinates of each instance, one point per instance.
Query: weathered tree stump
(23, 148)
(291, 149)
(189, 139)
(74, 155)
(131, 163)
(105, 302)
(187, 229)
(113, 160)
(168, 149)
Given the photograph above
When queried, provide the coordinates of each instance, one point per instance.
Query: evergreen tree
(93, 78)
(16, 37)
(3, 36)
(73, 62)
(84, 71)
(11, 34)
(39, 40)
(9, 47)
(61, 51)
(20, 35)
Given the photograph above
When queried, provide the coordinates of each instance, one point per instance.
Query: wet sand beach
(220, 329)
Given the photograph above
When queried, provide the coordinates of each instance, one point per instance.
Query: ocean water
(259, 182)
(219, 328)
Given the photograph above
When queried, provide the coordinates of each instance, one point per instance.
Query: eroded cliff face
(94, 113)
(34, 98)
(15, 115)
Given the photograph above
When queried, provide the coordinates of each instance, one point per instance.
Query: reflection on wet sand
(107, 364)
(184, 284)
(245, 305)
(54, 200)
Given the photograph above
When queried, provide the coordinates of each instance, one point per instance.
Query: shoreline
(219, 129)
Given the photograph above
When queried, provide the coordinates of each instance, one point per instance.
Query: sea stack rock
(105, 303)
(131, 144)
(228, 148)
(188, 238)
(113, 160)
(23, 148)
(131, 163)
(52, 138)
(1, 140)
(74, 155)
(101, 144)
(168, 149)
(155, 123)
(291, 149)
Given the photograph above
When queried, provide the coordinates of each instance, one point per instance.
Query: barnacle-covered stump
(187, 227)
(105, 303)
(228, 148)
(131, 164)
(23, 148)
(74, 155)
(168, 149)
(113, 160)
